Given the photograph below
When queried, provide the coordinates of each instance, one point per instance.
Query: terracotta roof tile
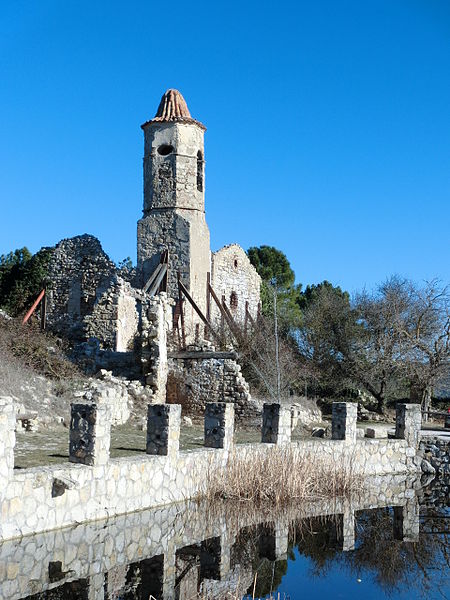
(173, 109)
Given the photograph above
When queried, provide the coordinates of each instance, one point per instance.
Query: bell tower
(174, 199)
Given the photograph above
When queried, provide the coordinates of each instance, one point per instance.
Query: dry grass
(30, 348)
(281, 476)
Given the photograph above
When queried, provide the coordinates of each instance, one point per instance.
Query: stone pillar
(163, 429)
(90, 434)
(7, 441)
(219, 425)
(407, 521)
(344, 417)
(276, 426)
(408, 422)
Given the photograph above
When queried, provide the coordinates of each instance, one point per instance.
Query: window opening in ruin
(199, 171)
(233, 300)
(165, 149)
(235, 263)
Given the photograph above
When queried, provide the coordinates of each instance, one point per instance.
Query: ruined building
(181, 294)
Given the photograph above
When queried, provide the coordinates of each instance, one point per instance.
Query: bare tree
(424, 330)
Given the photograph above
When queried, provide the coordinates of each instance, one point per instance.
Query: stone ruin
(161, 320)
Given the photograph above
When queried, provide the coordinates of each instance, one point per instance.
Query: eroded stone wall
(235, 279)
(114, 320)
(193, 382)
(79, 273)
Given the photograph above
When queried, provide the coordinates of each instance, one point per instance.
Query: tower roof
(173, 109)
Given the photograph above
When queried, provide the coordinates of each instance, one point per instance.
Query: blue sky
(328, 126)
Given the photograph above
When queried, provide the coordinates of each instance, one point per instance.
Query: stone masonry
(108, 558)
(7, 441)
(97, 487)
(105, 310)
(407, 423)
(276, 426)
(219, 425)
(163, 429)
(90, 434)
(344, 421)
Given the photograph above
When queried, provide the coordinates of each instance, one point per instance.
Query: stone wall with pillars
(165, 539)
(56, 496)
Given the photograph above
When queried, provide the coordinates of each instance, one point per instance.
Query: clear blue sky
(328, 126)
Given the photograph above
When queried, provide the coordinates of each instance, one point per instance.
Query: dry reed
(280, 476)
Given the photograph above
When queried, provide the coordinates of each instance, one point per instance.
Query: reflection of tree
(395, 564)
(269, 576)
(316, 538)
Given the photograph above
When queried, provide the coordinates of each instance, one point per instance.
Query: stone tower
(174, 200)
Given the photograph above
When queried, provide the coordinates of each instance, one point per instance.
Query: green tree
(328, 335)
(272, 265)
(21, 278)
(277, 276)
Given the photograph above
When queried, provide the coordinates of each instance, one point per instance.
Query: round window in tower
(165, 149)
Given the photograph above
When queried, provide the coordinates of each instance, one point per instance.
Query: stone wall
(87, 297)
(43, 498)
(79, 273)
(114, 320)
(156, 321)
(235, 278)
(193, 382)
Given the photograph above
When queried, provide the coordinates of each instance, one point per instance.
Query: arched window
(199, 171)
(233, 301)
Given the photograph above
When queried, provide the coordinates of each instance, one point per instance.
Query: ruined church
(180, 296)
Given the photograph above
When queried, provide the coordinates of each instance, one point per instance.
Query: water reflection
(394, 536)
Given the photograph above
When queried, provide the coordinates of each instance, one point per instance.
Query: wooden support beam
(152, 277)
(208, 296)
(185, 292)
(180, 299)
(44, 310)
(157, 282)
(226, 316)
(34, 307)
(201, 355)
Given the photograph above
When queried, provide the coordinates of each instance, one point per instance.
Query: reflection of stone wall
(436, 452)
(167, 542)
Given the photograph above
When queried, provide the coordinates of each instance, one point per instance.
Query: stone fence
(94, 486)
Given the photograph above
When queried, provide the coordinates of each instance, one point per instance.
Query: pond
(389, 542)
